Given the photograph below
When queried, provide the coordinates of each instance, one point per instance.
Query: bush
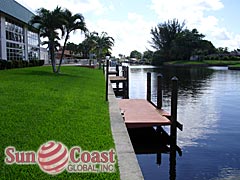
(226, 58)
(10, 64)
(3, 64)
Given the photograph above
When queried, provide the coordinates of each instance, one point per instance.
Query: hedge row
(217, 57)
(10, 64)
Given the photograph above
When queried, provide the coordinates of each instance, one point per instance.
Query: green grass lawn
(236, 65)
(37, 106)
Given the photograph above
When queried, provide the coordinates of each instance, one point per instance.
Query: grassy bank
(234, 67)
(203, 63)
(37, 106)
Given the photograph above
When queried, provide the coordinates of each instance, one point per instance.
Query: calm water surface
(209, 108)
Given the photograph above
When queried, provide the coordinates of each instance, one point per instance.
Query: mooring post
(149, 87)
(173, 130)
(127, 76)
(159, 159)
(107, 70)
(117, 69)
(103, 67)
(159, 91)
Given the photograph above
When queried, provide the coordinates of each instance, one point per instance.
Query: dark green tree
(136, 54)
(185, 44)
(164, 35)
(48, 22)
(71, 24)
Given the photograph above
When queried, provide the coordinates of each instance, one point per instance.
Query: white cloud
(75, 6)
(130, 34)
(133, 32)
(194, 14)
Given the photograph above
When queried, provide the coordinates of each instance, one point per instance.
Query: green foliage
(72, 23)
(136, 54)
(96, 44)
(38, 106)
(11, 64)
(172, 41)
(158, 59)
(163, 36)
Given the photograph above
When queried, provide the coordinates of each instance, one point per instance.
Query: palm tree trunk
(51, 49)
(64, 47)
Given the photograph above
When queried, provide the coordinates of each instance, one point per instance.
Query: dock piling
(117, 69)
(159, 91)
(107, 70)
(149, 87)
(173, 131)
(126, 83)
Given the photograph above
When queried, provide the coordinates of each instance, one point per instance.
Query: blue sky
(130, 22)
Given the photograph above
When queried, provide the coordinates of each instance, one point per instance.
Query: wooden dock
(142, 116)
(117, 79)
(141, 113)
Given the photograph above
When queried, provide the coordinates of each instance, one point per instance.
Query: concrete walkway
(127, 161)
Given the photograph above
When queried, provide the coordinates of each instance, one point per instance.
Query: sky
(129, 22)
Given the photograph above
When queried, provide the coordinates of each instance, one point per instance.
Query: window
(33, 38)
(15, 51)
(14, 31)
(15, 40)
(33, 46)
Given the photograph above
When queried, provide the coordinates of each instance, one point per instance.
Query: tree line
(58, 24)
(171, 40)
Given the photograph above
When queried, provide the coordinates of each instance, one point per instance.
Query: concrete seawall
(127, 161)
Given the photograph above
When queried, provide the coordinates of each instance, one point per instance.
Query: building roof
(15, 10)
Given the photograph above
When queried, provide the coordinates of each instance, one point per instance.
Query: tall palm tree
(48, 22)
(72, 23)
(104, 44)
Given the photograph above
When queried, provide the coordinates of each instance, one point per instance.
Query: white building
(18, 41)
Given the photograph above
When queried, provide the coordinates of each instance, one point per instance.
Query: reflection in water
(208, 106)
(228, 174)
(149, 140)
(194, 93)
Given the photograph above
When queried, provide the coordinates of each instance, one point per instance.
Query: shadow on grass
(49, 74)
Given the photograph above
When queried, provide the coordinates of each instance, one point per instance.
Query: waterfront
(208, 107)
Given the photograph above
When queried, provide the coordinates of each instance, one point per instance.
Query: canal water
(209, 109)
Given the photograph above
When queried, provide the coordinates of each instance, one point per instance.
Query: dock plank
(117, 78)
(141, 113)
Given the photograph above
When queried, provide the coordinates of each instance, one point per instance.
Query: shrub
(225, 58)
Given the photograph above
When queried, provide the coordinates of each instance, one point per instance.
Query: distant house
(18, 41)
(68, 56)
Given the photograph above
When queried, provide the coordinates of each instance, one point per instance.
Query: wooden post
(103, 68)
(107, 70)
(159, 91)
(127, 76)
(123, 71)
(159, 159)
(172, 163)
(173, 131)
(117, 69)
(149, 86)
(126, 83)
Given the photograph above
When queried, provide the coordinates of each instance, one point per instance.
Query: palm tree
(47, 23)
(99, 45)
(72, 23)
(104, 44)
(88, 45)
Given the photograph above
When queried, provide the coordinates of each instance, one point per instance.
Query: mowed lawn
(37, 106)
